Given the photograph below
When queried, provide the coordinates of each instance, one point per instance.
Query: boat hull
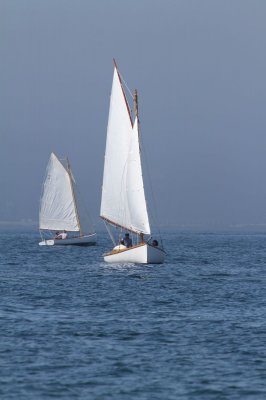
(86, 240)
(140, 254)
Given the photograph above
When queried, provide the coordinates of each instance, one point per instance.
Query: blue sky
(199, 67)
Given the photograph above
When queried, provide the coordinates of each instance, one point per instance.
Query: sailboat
(123, 203)
(61, 208)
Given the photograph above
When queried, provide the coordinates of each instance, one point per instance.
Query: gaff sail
(60, 206)
(123, 198)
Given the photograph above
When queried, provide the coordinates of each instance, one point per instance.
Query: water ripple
(74, 327)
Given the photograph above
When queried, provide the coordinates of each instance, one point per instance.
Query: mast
(136, 112)
(136, 106)
(74, 196)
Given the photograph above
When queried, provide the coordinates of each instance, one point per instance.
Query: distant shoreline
(32, 226)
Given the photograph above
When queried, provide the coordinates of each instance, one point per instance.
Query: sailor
(120, 246)
(127, 240)
(62, 235)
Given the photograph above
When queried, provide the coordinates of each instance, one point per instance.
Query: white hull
(141, 254)
(86, 240)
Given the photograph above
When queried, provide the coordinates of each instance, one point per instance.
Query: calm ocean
(74, 327)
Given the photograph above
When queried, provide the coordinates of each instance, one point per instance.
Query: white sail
(139, 219)
(123, 199)
(114, 199)
(57, 209)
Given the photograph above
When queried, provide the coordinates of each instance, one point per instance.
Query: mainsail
(123, 199)
(57, 208)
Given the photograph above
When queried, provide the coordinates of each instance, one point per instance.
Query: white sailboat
(61, 208)
(123, 202)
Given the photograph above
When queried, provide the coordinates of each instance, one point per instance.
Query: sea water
(74, 327)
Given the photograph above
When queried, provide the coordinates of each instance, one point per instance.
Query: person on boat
(127, 240)
(155, 243)
(62, 235)
(120, 246)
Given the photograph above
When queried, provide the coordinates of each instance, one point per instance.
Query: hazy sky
(200, 68)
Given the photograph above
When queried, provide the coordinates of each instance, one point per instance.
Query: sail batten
(123, 199)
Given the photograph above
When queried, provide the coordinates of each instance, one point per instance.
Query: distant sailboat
(123, 202)
(61, 208)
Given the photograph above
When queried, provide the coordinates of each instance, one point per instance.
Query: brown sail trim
(54, 230)
(120, 80)
(120, 226)
(74, 196)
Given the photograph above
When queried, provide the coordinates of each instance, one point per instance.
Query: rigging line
(154, 213)
(109, 232)
(126, 86)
